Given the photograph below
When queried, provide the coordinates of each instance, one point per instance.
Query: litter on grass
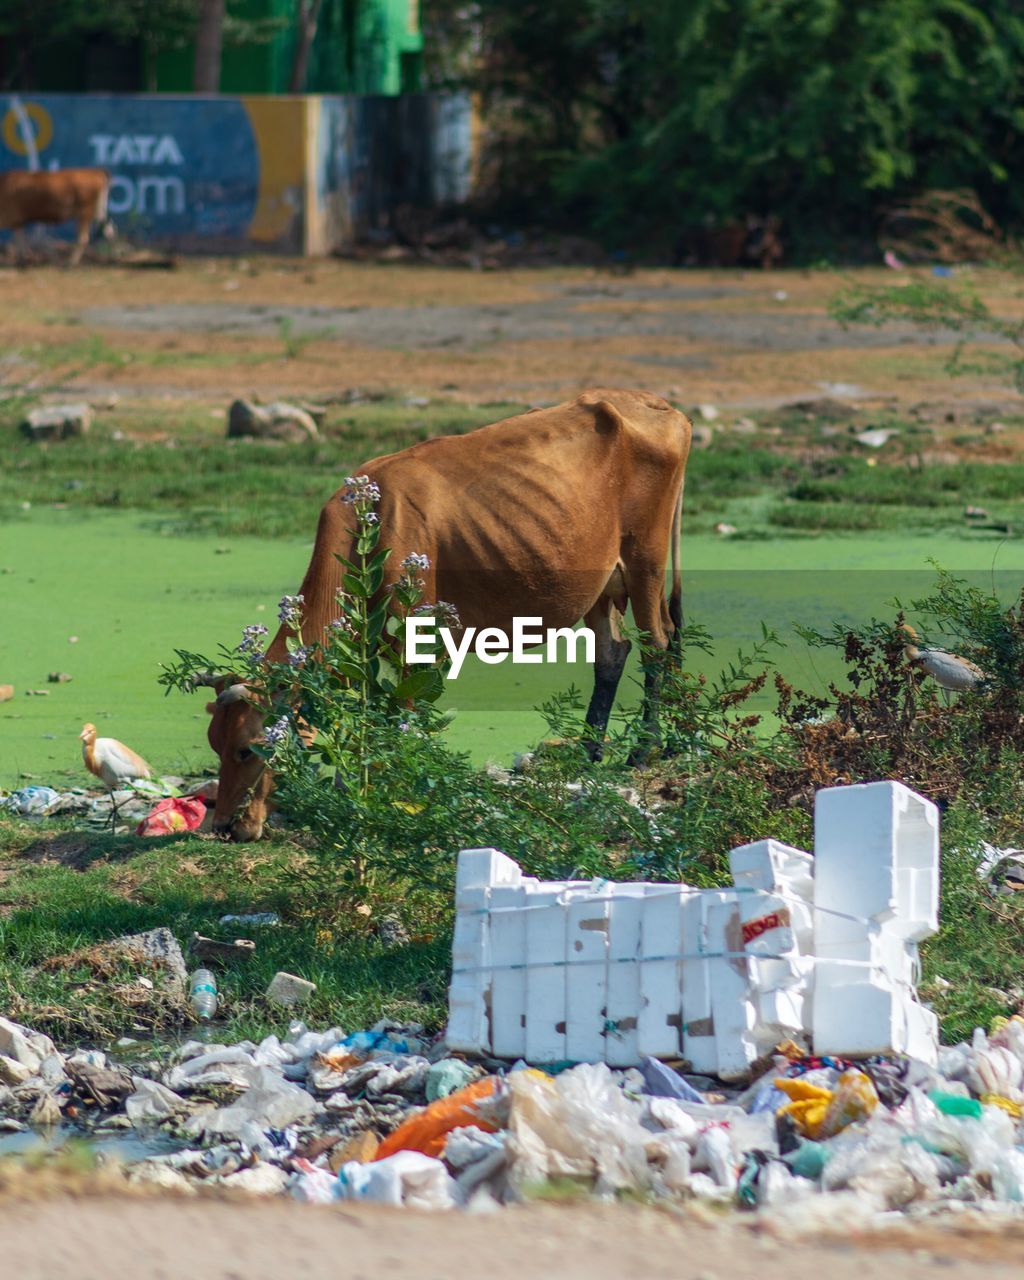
(806, 1108)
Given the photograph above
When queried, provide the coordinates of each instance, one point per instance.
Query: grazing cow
(60, 195)
(562, 513)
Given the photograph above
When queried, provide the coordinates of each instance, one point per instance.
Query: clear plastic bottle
(203, 994)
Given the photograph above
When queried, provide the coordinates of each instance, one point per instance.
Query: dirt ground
(213, 329)
(163, 1239)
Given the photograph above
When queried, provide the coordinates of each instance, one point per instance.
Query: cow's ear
(211, 707)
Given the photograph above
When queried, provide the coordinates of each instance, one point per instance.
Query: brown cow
(60, 195)
(563, 513)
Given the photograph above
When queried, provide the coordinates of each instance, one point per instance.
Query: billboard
(191, 172)
(294, 174)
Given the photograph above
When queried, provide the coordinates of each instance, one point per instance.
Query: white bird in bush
(112, 762)
(947, 669)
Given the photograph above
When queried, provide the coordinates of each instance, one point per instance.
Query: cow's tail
(675, 599)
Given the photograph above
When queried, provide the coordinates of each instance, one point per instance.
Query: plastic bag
(668, 1155)
(180, 813)
(270, 1102)
(151, 1102)
(579, 1125)
(808, 1104)
(878, 1162)
(662, 1082)
(313, 1185)
(32, 802)
(668, 1113)
(428, 1131)
(407, 1178)
(994, 1072)
(446, 1076)
(715, 1155)
(475, 1156)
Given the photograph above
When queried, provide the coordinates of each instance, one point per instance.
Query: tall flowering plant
(349, 730)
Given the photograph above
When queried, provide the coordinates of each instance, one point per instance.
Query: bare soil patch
(94, 1239)
(217, 328)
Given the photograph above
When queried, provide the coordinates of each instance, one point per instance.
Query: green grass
(61, 891)
(198, 483)
(132, 595)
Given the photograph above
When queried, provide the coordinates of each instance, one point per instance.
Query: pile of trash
(179, 805)
(388, 1116)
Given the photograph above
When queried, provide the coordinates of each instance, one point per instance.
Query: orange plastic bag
(428, 1131)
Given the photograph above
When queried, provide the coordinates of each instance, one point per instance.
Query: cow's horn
(234, 693)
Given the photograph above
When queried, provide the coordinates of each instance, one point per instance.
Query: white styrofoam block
(769, 864)
(730, 991)
(698, 1010)
(776, 884)
(625, 912)
(876, 857)
(858, 1013)
(586, 975)
(485, 868)
(662, 938)
(545, 977)
(469, 993)
(508, 983)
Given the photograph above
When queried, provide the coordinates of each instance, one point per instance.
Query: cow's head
(243, 792)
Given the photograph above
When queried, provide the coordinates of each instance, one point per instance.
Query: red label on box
(775, 920)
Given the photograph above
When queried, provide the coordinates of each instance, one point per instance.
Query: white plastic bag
(270, 1102)
(475, 1156)
(579, 1125)
(407, 1178)
(151, 1102)
(715, 1156)
(994, 1069)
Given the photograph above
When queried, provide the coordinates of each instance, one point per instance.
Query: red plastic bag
(178, 813)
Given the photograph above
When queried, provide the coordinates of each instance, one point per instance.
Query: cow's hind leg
(610, 652)
(655, 618)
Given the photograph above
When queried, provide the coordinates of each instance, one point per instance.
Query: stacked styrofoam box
(777, 918)
(876, 859)
(822, 948)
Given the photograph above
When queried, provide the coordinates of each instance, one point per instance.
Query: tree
(644, 120)
(209, 41)
(308, 17)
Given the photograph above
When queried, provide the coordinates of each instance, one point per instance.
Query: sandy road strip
(164, 1239)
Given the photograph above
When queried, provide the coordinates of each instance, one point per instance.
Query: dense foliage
(645, 121)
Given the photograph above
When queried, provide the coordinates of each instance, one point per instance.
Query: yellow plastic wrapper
(808, 1104)
(822, 1113)
(1011, 1108)
(855, 1099)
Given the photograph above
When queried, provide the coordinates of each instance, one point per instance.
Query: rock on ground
(161, 948)
(277, 421)
(58, 421)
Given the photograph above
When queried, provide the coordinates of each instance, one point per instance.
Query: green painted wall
(361, 46)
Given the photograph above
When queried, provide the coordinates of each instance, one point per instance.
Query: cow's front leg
(81, 240)
(611, 649)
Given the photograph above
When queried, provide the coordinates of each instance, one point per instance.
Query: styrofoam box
(823, 948)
